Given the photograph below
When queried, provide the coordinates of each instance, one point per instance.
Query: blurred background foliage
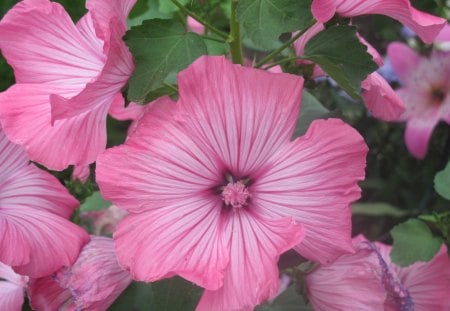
(397, 186)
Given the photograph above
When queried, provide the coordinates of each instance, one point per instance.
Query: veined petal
(93, 282)
(314, 179)
(255, 245)
(417, 135)
(425, 25)
(182, 238)
(300, 43)
(131, 112)
(404, 60)
(380, 99)
(51, 49)
(11, 296)
(12, 157)
(323, 10)
(25, 115)
(242, 113)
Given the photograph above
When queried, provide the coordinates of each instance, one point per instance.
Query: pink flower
(93, 282)
(216, 190)
(351, 282)
(104, 222)
(424, 285)
(425, 25)
(36, 237)
(195, 26)
(12, 289)
(425, 90)
(67, 77)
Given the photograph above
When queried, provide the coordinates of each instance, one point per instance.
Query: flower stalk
(235, 36)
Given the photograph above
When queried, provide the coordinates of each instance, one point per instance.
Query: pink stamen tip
(235, 194)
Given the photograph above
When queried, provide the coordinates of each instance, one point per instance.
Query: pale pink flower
(422, 286)
(104, 221)
(425, 90)
(351, 282)
(67, 77)
(425, 25)
(216, 190)
(36, 237)
(195, 26)
(93, 282)
(379, 97)
(12, 289)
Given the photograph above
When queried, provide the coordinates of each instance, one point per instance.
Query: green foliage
(377, 209)
(146, 9)
(95, 202)
(263, 21)
(289, 300)
(311, 110)
(173, 294)
(342, 56)
(441, 221)
(161, 48)
(442, 182)
(413, 241)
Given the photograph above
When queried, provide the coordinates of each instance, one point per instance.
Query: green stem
(170, 86)
(200, 20)
(214, 39)
(284, 60)
(235, 36)
(283, 47)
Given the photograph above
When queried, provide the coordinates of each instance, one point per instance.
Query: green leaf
(377, 209)
(94, 203)
(342, 56)
(442, 182)
(413, 241)
(166, 6)
(441, 221)
(263, 21)
(146, 9)
(161, 48)
(311, 110)
(289, 300)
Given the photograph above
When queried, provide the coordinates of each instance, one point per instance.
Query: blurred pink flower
(216, 190)
(12, 289)
(104, 222)
(93, 282)
(425, 90)
(425, 25)
(36, 237)
(67, 77)
(195, 26)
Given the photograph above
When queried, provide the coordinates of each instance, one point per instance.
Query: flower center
(235, 194)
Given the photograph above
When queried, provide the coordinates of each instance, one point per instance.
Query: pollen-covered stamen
(235, 194)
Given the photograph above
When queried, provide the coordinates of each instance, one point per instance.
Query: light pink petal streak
(314, 179)
(417, 135)
(93, 282)
(352, 280)
(403, 59)
(243, 114)
(380, 99)
(252, 276)
(12, 289)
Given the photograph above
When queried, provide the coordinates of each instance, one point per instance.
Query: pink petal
(417, 135)
(248, 114)
(25, 116)
(404, 60)
(425, 25)
(131, 112)
(50, 49)
(93, 282)
(371, 50)
(314, 179)
(323, 10)
(300, 43)
(81, 173)
(195, 26)
(252, 276)
(429, 282)
(351, 282)
(182, 238)
(380, 99)
(104, 221)
(11, 296)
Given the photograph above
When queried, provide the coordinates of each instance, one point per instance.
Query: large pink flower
(12, 289)
(425, 90)
(93, 282)
(425, 25)
(67, 77)
(216, 190)
(36, 238)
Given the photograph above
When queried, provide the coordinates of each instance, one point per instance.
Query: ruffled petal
(131, 112)
(323, 10)
(50, 49)
(255, 245)
(93, 282)
(314, 179)
(403, 59)
(243, 114)
(182, 238)
(417, 135)
(425, 25)
(26, 119)
(351, 282)
(380, 99)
